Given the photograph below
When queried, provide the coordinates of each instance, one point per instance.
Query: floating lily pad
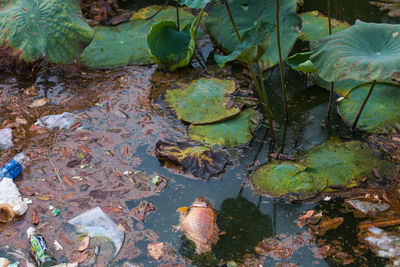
(169, 47)
(194, 3)
(334, 164)
(346, 164)
(248, 14)
(251, 47)
(279, 180)
(198, 160)
(203, 101)
(363, 52)
(230, 133)
(301, 62)
(382, 112)
(33, 29)
(316, 26)
(126, 43)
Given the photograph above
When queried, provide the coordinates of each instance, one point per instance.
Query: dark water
(254, 217)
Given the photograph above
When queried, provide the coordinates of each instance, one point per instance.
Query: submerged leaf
(250, 13)
(229, 133)
(171, 48)
(198, 160)
(382, 112)
(203, 101)
(332, 164)
(392, 5)
(126, 43)
(33, 29)
(363, 52)
(316, 26)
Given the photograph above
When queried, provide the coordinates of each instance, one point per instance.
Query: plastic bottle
(14, 167)
(39, 249)
(11, 202)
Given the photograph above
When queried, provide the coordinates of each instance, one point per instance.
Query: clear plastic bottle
(14, 167)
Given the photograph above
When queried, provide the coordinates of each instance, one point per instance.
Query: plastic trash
(63, 121)
(95, 222)
(384, 244)
(6, 138)
(4, 262)
(11, 202)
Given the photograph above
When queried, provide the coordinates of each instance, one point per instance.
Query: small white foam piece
(6, 138)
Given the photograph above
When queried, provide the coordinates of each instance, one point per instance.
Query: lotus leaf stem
(177, 18)
(158, 11)
(283, 86)
(198, 20)
(363, 105)
(232, 20)
(332, 84)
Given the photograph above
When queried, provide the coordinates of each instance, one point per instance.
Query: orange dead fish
(199, 224)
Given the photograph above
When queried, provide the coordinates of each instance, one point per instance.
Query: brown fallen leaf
(84, 243)
(80, 256)
(35, 217)
(39, 103)
(329, 224)
(112, 209)
(140, 212)
(67, 181)
(156, 250)
(67, 196)
(85, 149)
(303, 218)
(75, 126)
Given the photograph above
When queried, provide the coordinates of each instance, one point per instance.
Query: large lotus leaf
(126, 44)
(278, 180)
(250, 48)
(248, 14)
(363, 52)
(346, 164)
(230, 133)
(171, 48)
(301, 62)
(194, 3)
(32, 29)
(342, 87)
(382, 112)
(203, 101)
(198, 160)
(316, 25)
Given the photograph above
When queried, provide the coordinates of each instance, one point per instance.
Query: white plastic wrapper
(95, 222)
(6, 138)
(63, 121)
(9, 195)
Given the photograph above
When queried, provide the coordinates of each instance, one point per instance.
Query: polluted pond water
(122, 184)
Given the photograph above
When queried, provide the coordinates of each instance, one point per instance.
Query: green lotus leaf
(203, 101)
(194, 3)
(251, 47)
(126, 44)
(363, 52)
(250, 13)
(382, 112)
(278, 180)
(171, 48)
(33, 29)
(316, 25)
(333, 164)
(301, 62)
(229, 133)
(200, 161)
(342, 87)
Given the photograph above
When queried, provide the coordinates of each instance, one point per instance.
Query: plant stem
(177, 18)
(198, 20)
(363, 105)
(158, 11)
(232, 21)
(332, 84)
(283, 86)
(264, 99)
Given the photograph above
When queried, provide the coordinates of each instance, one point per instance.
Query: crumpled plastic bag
(11, 202)
(95, 222)
(384, 244)
(6, 138)
(63, 121)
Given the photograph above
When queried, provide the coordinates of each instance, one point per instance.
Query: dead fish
(199, 224)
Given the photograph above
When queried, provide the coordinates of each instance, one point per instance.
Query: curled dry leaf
(156, 249)
(35, 217)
